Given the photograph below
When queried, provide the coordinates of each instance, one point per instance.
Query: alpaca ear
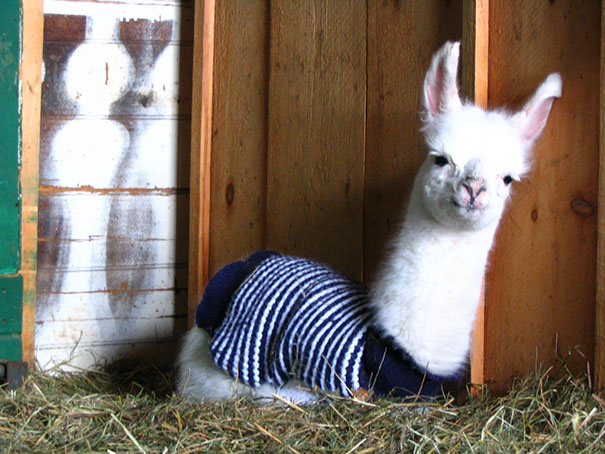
(440, 86)
(532, 118)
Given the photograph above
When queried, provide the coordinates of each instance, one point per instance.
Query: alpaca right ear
(440, 83)
(532, 118)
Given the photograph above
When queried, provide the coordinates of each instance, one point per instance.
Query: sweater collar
(390, 370)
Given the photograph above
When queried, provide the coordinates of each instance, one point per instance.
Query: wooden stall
(31, 83)
(304, 125)
(11, 281)
(305, 139)
(114, 174)
(600, 271)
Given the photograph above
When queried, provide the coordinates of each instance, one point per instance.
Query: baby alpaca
(273, 324)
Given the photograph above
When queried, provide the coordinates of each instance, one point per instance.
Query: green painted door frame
(11, 284)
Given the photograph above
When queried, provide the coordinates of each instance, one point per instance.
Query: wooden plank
(402, 37)
(143, 277)
(201, 143)
(10, 205)
(11, 296)
(475, 51)
(158, 167)
(474, 77)
(600, 306)
(10, 307)
(239, 137)
(31, 83)
(316, 131)
(156, 351)
(540, 299)
(113, 198)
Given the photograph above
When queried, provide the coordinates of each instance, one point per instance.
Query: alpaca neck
(428, 289)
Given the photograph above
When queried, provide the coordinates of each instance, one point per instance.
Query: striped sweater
(276, 317)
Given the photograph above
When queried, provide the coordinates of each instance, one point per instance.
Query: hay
(132, 409)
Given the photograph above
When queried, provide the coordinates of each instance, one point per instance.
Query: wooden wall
(31, 87)
(540, 297)
(114, 171)
(296, 128)
(402, 37)
(11, 283)
(307, 142)
(301, 128)
(600, 306)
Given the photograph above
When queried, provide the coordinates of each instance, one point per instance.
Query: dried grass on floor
(133, 410)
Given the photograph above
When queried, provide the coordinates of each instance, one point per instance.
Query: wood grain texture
(239, 131)
(316, 131)
(402, 36)
(31, 74)
(10, 206)
(542, 278)
(113, 200)
(475, 51)
(600, 306)
(474, 77)
(201, 143)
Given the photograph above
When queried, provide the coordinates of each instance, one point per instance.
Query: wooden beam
(31, 83)
(474, 67)
(540, 297)
(316, 131)
(600, 307)
(475, 48)
(402, 37)
(201, 147)
(239, 139)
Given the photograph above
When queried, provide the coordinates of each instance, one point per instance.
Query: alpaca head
(474, 156)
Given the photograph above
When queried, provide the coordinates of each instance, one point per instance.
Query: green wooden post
(11, 284)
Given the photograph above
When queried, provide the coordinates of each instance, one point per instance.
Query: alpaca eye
(441, 161)
(507, 180)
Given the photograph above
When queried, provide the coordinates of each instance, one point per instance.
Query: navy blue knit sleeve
(210, 313)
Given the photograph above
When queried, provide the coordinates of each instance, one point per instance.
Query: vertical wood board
(11, 297)
(114, 148)
(11, 285)
(474, 78)
(600, 290)
(317, 131)
(540, 290)
(31, 83)
(402, 37)
(10, 203)
(239, 131)
(201, 141)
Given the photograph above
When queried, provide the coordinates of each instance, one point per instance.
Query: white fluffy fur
(427, 290)
(198, 378)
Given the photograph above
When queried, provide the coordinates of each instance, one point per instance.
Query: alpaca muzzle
(474, 194)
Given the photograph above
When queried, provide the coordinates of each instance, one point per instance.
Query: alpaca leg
(295, 391)
(198, 377)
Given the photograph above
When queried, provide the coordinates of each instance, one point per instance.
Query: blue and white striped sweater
(277, 317)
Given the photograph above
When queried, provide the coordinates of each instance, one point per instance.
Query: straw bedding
(128, 408)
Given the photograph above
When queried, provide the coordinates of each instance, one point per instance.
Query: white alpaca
(427, 290)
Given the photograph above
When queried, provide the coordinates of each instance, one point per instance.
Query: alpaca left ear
(532, 118)
(440, 83)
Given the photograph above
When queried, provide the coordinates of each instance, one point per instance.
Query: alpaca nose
(476, 189)
(474, 186)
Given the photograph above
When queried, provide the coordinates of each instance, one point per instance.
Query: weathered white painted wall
(113, 180)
